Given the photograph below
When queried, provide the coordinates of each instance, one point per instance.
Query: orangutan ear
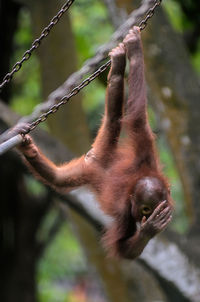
(133, 210)
(126, 222)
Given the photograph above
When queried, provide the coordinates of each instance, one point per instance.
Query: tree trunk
(8, 19)
(17, 244)
(20, 218)
(58, 60)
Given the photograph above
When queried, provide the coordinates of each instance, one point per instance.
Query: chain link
(149, 15)
(36, 43)
(65, 99)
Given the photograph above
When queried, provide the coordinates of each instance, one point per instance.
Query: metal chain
(36, 43)
(65, 99)
(149, 14)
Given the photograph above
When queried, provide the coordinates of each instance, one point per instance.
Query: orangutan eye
(146, 210)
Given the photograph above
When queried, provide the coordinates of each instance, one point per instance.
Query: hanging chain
(65, 99)
(149, 14)
(36, 43)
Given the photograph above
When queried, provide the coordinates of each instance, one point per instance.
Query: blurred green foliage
(34, 187)
(91, 26)
(175, 13)
(63, 262)
(26, 84)
(64, 259)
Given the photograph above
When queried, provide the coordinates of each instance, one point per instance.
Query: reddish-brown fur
(125, 176)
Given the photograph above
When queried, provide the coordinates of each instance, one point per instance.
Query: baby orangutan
(125, 176)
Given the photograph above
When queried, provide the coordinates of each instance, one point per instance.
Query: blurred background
(50, 251)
